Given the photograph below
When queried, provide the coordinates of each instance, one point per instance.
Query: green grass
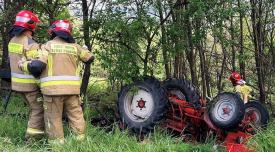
(13, 126)
(264, 141)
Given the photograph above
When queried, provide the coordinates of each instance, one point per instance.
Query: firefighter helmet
(60, 25)
(26, 19)
(235, 77)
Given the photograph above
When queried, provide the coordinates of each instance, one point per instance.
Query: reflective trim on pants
(32, 131)
(80, 137)
(36, 116)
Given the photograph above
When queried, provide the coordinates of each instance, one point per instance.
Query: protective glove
(92, 57)
(22, 64)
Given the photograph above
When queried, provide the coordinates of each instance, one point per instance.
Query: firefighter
(244, 90)
(60, 81)
(20, 46)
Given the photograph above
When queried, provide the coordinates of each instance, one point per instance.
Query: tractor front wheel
(227, 111)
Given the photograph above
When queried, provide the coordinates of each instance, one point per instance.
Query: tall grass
(264, 141)
(13, 126)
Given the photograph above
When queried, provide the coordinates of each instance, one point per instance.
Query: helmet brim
(64, 35)
(16, 30)
(241, 82)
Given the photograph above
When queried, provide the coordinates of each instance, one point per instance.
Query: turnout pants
(53, 110)
(36, 117)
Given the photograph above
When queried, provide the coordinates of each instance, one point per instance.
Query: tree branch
(122, 43)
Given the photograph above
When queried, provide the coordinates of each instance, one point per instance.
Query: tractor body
(176, 105)
(184, 119)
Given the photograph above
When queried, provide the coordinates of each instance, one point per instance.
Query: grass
(13, 126)
(264, 141)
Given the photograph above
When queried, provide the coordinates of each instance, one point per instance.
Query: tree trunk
(190, 48)
(220, 76)
(164, 42)
(50, 11)
(256, 17)
(9, 8)
(5, 42)
(86, 31)
(5, 57)
(272, 49)
(199, 47)
(207, 80)
(175, 18)
(176, 66)
(241, 56)
(190, 53)
(203, 71)
(233, 60)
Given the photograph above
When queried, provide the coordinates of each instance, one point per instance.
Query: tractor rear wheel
(227, 111)
(183, 89)
(257, 114)
(142, 105)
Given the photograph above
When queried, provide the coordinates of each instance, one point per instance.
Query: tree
(7, 8)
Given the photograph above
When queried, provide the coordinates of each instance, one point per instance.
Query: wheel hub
(226, 110)
(139, 106)
(253, 115)
(141, 103)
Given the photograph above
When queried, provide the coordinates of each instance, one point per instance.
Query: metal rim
(254, 115)
(139, 105)
(224, 110)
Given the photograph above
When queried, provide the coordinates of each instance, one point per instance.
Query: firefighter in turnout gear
(20, 46)
(60, 80)
(240, 86)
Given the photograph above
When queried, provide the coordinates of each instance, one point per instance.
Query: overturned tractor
(176, 105)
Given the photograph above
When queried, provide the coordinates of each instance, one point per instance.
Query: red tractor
(176, 105)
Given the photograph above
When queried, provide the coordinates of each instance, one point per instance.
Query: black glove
(92, 58)
(36, 67)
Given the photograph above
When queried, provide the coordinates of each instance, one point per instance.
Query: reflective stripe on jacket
(23, 78)
(61, 76)
(22, 47)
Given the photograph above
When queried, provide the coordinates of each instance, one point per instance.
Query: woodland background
(202, 41)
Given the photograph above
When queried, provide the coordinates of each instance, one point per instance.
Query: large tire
(257, 114)
(227, 111)
(142, 105)
(183, 89)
